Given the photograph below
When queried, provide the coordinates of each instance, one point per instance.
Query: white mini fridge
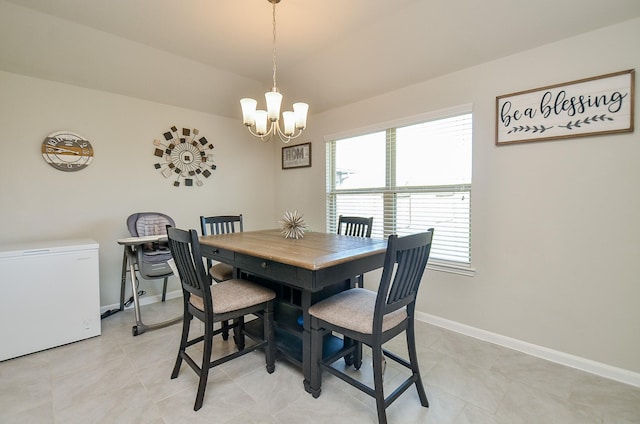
(50, 295)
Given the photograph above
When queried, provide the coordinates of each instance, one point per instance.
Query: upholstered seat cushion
(221, 272)
(232, 295)
(353, 309)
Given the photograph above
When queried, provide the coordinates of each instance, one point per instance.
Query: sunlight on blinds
(409, 179)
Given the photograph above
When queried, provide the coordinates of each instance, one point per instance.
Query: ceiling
(206, 54)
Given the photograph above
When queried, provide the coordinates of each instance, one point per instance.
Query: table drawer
(217, 254)
(268, 269)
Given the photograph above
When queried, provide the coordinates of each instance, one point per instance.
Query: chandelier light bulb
(248, 111)
(274, 100)
(261, 122)
(300, 110)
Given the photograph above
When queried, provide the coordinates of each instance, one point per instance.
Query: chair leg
(186, 323)
(238, 332)
(316, 356)
(206, 362)
(270, 350)
(349, 358)
(413, 360)
(378, 358)
(164, 289)
(354, 358)
(224, 324)
(225, 330)
(357, 355)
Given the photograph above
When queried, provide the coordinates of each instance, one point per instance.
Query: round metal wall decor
(67, 151)
(185, 157)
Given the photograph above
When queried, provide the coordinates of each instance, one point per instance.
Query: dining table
(302, 272)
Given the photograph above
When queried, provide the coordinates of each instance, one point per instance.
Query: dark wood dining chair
(373, 318)
(221, 224)
(229, 300)
(357, 226)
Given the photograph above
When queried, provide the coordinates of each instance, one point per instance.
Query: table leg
(306, 339)
(351, 359)
(354, 358)
(306, 360)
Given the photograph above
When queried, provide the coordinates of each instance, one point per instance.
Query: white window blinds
(409, 178)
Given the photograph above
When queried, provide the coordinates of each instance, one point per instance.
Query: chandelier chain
(274, 47)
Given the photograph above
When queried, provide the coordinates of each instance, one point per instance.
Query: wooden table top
(313, 252)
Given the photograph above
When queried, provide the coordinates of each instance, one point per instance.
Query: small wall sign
(298, 156)
(597, 105)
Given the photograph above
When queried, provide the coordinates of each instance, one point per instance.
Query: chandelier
(266, 123)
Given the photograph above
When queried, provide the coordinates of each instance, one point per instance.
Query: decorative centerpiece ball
(292, 225)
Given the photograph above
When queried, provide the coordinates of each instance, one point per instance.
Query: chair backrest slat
(221, 224)
(405, 262)
(185, 249)
(357, 226)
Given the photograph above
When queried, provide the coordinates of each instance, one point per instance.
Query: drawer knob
(264, 265)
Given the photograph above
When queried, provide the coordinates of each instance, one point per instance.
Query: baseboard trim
(587, 365)
(144, 300)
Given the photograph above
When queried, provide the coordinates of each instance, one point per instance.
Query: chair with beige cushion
(229, 300)
(221, 224)
(374, 318)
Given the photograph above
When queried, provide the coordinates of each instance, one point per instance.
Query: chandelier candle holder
(264, 124)
(292, 225)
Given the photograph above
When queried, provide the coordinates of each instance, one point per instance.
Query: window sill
(451, 267)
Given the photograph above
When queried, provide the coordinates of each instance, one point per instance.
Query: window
(409, 176)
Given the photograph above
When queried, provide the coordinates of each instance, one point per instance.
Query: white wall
(554, 224)
(41, 203)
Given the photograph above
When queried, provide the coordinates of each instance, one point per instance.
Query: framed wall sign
(298, 156)
(597, 105)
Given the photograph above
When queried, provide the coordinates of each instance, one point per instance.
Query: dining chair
(355, 226)
(229, 300)
(374, 318)
(221, 224)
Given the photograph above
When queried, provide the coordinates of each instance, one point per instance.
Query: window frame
(450, 266)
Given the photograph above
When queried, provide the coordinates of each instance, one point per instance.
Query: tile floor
(117, 378)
